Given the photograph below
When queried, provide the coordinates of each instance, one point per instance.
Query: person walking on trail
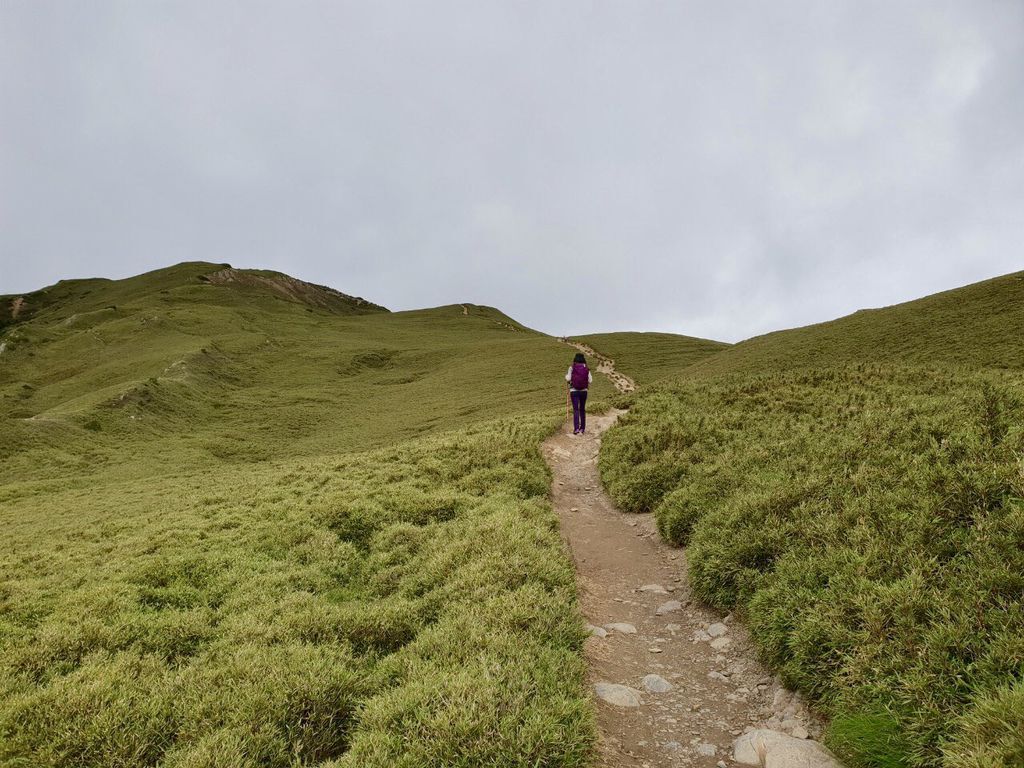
(579, 378)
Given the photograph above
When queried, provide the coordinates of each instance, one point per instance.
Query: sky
(719, 169)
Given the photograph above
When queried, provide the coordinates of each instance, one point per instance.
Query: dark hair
(579, 358)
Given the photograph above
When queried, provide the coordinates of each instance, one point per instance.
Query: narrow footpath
(675, 684)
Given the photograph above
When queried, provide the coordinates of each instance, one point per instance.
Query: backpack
(580, 376)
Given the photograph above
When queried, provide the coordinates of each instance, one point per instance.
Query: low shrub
(408, 606)
(868, 521)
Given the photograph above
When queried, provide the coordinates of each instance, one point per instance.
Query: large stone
(655, 589)
(596, 631)
(618, 695)
(717, 629)
(656, 684)
(621, 626)
(772, 749)
(668, 607)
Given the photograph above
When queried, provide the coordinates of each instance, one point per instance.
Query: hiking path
(675, 683)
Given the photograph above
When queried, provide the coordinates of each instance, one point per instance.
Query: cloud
(715, 169)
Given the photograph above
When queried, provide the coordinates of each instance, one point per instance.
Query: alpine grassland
(855, 490)
(252, 521)
(977, 326)
(647, 357)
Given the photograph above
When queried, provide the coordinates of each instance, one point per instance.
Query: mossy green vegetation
(249, 525)
(647, 357)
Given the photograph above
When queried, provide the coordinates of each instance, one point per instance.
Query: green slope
(80, 297)
(646, 357)
(194, 370)
(977, 326)
(252, 521)
(854, 490)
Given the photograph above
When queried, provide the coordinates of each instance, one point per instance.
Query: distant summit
(90, 294)
(292, 289)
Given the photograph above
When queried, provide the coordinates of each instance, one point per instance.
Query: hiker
(579, 379)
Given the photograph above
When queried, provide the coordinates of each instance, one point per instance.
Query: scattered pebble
(669, 607)
(706, 749)
(618, 695)
(656, 589)
(656, 684)
(621, 627)
(717, 629)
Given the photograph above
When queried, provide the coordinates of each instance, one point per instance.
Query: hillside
(83, 296)
(193, 367)
(647, 357)
(977, 326)
(251, 520)
(853, 490)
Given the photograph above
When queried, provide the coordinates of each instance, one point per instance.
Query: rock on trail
(618, 695)
(771, 749)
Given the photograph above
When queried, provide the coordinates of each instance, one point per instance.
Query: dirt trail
(627, 575)
(605, 365)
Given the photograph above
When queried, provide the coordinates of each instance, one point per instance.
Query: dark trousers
(579, 410)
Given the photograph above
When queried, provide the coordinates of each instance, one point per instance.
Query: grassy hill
(646, 357)
(200, 370)
(251, 520)
(977, 326)
(854, 490)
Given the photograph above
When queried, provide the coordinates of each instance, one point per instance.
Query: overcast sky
(712, 168)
